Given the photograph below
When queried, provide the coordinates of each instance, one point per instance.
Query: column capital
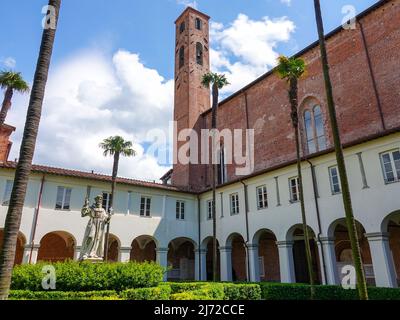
(162, 250)
(34, 247)
(225, 249)
(327, 240)
(252, 246)
(201, 251)
(284, 244)
(126, 248)
(377, 236)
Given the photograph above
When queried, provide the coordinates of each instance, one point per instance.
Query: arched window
(314, 130)
(182, 27)
(198, 24)
(199, 53)
(181, 57)
(222, 168)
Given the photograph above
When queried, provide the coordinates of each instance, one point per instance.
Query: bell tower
(192, 61)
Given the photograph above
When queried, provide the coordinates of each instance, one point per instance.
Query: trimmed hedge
(197, 291)
(242, 291)
(60, 295)
(161, 292)
(282, 291)
(85, 276)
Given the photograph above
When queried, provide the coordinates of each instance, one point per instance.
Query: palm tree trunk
(215, 94)
(351, 224)
(6, 105)
(293, 96)
(110, 205)
(23, 170)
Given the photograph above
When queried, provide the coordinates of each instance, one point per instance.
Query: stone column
(382, 260)
(200, 264)
(162, 259)
(328, 248)
(125, 254)
(31, 254)
(77, 253)
(254, 272)
(226, 263)
(286, 263)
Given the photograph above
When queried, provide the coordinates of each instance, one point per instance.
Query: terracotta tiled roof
(92, 176)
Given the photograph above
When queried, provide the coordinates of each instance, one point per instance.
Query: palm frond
(13, 80)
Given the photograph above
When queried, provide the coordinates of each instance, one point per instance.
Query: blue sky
(102, 47)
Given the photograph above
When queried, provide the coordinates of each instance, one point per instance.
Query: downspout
(246, 204)
(35, 222)
(372, 74)
(314, 183)
(199, 236)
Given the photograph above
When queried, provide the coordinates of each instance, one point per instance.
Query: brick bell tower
(192, 61)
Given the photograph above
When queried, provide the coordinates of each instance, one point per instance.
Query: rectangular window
(7, 192)
(234, 204)
(210, 206)
(145, 205)
(294, 189)
(106, 200)
(63, 198)
(180, 210)
(198, 24)
(391, 166)
(335, 180)
(262, 197)
(182, 27)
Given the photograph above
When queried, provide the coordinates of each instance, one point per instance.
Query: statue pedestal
(93, 260)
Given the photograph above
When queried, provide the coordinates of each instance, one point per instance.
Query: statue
(93, 241)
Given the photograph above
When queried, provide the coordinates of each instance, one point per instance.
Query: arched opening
(181, 57)
(199, 53)
(181, 259)
(208, 245)
(19, 254)
(300, 258)
(113, 249)
(143, 249)
(343, 250)
(268, 256)
(391, 225)
(56, 246)
(239, 259)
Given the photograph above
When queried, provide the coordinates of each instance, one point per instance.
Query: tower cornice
(190, 9)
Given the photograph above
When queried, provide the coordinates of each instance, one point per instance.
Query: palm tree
(351, 223)
(24, 166)
(10, 82)
(115, 146)
(291, 69)
(218, 81)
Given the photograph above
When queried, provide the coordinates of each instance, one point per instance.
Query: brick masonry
(267, 103)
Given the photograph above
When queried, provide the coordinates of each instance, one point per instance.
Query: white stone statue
(93, 241)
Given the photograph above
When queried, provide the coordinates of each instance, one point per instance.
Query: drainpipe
(246, 204)
(35, 221)
(372, 74)
(314, 183)
(199, 237)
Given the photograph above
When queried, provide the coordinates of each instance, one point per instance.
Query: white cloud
(247, 48)
(89, 98)
(287, 2)
(9, 62)
(188, 3)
